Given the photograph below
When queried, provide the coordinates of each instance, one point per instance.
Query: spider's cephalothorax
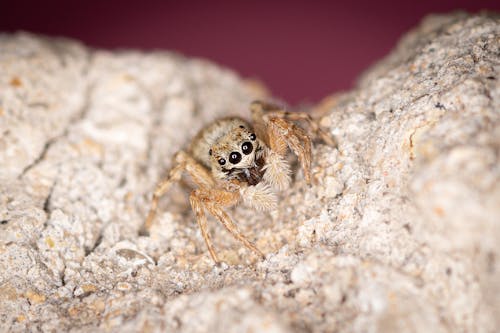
(231, 150)
(231, 161)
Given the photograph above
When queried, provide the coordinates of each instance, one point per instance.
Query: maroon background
(302, 50)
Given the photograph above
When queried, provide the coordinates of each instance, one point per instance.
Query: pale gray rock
(400, 231)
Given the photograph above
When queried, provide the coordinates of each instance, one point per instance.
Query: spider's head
(237, 155)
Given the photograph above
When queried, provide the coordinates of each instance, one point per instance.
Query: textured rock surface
(399, 233)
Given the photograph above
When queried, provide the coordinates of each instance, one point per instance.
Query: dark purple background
(302, 50)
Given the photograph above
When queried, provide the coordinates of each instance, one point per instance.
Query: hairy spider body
(224, 137)
(231, 161)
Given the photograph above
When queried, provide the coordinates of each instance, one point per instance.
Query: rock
(399, 232)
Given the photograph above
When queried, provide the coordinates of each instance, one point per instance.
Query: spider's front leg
(261, 109)
(182, 162)
(214, 200)
(281, 133)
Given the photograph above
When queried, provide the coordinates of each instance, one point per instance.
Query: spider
(230, 161)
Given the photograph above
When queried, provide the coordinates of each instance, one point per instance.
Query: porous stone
(399, 231)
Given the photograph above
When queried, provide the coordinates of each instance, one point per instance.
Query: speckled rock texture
(399, 233)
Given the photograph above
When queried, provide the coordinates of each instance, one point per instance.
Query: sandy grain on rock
(399, 233)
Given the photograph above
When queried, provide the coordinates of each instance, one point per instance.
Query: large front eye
(247, 148)
(234, 157)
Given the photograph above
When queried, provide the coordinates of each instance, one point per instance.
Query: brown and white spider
(231, 161)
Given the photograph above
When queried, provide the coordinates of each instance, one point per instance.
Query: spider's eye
(222, 161)
(247, 148)
(252, 137)
(234, 157)
(210, 152)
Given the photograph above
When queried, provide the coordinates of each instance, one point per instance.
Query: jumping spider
(230, 162)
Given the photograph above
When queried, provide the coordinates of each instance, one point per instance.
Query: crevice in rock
(98, 241)
(46, 203)
(40, 157)
(80, 115)
(62, 275)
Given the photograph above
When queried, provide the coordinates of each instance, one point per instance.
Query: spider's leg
(173, 176)
(280, 134)
(222, 216)
(296, 138)
(312, 123)
(214, 201)
(201, 218)
(182, 162)
(261, 110)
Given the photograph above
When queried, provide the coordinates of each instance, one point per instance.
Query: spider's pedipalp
(277, 171)
(259, 197)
